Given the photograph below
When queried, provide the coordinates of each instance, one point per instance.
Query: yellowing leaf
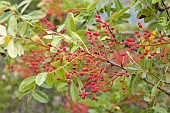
(147, 47)
(150, 38)
(153, 35)
(7, 39)
(117, 107)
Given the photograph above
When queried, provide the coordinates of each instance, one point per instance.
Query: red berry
(93, 98)
(141, 56)
(49, 45)
(122, 54)
(104, 90)
(149, 57)
(81, 73)
(138, 35)
(115, 71)
(97, 15)
(97, 19)
(123, 87)
(112, 28)
(58, 79)
(127, 74)
(64, 49)
(136, 32)
(147, 50)
(98, 26)
(162, 55)
(145, 53)
(48, 49)
(105, 71)
(121, 80)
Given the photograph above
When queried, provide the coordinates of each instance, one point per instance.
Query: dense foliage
(85, 55)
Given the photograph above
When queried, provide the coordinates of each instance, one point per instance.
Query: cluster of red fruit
(100, 64)
(47, 25)
(149, 37)
(36, 63)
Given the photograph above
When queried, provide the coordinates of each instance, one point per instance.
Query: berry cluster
(36, 63)
(101, 62)
(47, 25)
(148, 41)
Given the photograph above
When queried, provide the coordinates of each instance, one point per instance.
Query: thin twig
(160, 88)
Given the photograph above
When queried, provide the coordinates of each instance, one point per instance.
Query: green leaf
(118, 5)
(133, 85)
(3, 31)
(134, 68)
(5, 16)
(148, 18)
(23, 3)
(12, 28)
(70, 23)
(60, 72)
(147, 99)
(25, 7)
(11, 48)
(74, 92)
(24, 93)
(144, 75)
(26, 17)
(50, 79)
(69, 39)
(24, 29)
(144, 13)
(126, 15)
(79, 83)
(47, 86)
(26, 83)
(38, 26)
(147, 14)
(108, 8)
(92, 5)
(159, 109)
(34, 15)
(20, 49)
(90, 102)
(74, 48)
(55, 43)
(154, 90)
(154, 25)
(142, 63)
(148, 3)
(40, 96)
(118, 14)
(40, 78)
(4, 5)
(60, 27)
(62, 86)
(77, 37)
